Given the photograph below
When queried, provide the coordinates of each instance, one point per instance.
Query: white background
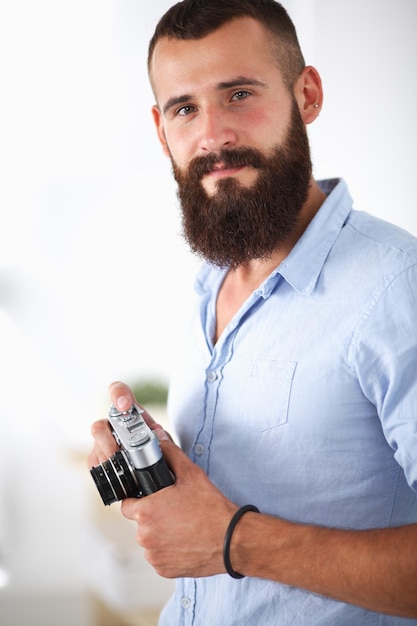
(95, 279)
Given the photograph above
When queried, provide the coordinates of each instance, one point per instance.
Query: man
(296, 390)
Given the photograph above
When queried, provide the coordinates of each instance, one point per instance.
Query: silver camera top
(134, 435)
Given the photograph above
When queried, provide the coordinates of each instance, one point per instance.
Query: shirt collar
(302, 267)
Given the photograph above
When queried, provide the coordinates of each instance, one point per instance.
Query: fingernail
(123, 403)
(161, 434)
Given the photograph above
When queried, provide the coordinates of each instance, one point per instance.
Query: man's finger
(177, 460)
(122, 397)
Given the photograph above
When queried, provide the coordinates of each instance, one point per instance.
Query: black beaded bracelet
(228, 538)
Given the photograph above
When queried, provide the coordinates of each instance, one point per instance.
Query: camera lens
(115, 479)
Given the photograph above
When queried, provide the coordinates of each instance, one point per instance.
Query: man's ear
(308, 93)
(157, 118)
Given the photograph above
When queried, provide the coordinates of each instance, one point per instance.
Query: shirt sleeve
(384, 354)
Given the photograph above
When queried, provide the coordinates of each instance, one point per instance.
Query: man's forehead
(238, 48)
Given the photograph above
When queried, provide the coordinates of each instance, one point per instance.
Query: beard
(238, 224)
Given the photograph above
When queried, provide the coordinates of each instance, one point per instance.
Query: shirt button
(185, 603)
(199, 448)
(211, 376)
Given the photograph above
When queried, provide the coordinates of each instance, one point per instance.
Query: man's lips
(220, 170)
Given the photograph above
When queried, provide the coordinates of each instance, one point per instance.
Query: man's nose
(216, 132)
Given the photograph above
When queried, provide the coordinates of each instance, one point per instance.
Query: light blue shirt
(306, 406)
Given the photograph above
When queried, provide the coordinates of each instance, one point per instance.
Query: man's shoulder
(376, 232)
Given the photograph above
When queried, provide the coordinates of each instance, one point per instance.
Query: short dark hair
(194, 19)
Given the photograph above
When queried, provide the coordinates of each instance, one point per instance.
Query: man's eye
(186, 110)
(241, 95)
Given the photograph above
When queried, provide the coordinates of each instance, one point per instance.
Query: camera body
(138, 469)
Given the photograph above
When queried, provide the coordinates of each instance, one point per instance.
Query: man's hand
(182, 527)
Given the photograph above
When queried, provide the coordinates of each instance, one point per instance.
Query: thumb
(177, 460)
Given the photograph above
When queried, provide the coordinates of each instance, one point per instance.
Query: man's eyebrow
(240, 81)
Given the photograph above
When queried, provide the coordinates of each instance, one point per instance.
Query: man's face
(237, 223)
(235, 138)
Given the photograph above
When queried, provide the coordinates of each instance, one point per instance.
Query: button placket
(186, 599)
(201, 445)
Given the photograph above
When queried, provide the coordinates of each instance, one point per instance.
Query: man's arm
(374, 569)
(182, 530)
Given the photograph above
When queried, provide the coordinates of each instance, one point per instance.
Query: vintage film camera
(138, 469)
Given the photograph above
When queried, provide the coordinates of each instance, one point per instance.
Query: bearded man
(295, 397)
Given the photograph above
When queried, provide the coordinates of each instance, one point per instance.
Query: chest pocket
(265, 394)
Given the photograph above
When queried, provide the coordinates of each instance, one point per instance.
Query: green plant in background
(150, 392)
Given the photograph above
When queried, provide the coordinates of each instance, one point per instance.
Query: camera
(138, 469)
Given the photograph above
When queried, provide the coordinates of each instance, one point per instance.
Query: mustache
(238, 157)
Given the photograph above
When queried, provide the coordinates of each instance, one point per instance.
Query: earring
(316, 106)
